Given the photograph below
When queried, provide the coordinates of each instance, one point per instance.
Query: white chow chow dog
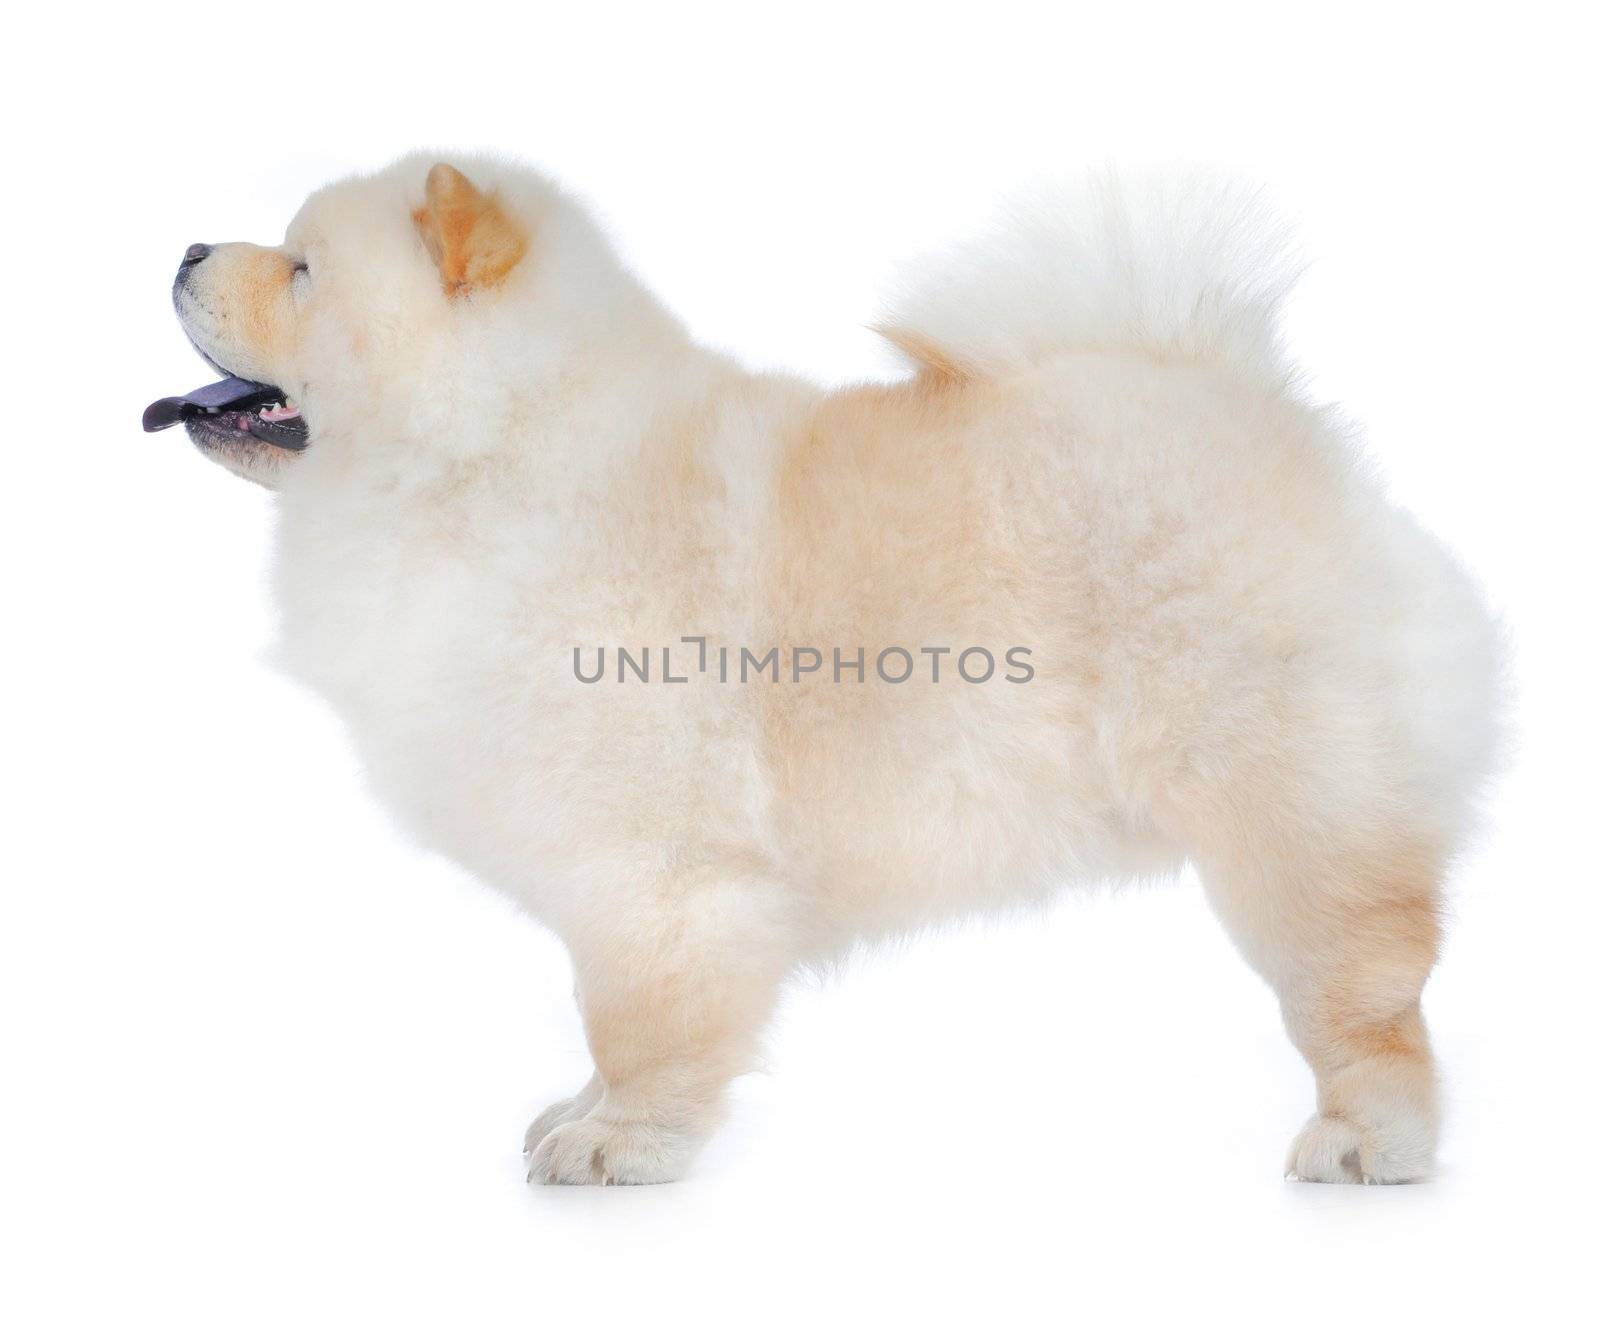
(719, 673)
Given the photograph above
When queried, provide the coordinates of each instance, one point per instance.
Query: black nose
(197, 252)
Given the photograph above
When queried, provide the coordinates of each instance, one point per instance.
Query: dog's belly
(879, 808)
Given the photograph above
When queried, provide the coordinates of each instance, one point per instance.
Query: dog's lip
(234, 408)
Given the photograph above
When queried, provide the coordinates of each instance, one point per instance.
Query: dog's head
(343, 326)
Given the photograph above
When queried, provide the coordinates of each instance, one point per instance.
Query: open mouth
(232, 410)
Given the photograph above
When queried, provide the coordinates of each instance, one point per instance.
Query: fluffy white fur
(1190, 268)
(1245, 657)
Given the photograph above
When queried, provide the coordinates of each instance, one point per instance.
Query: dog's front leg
(674, 988)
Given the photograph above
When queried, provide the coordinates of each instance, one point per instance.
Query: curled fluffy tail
(1196, 270)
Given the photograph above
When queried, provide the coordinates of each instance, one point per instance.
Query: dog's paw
(1331, 1150)
(562, 1112)
(599, 1150)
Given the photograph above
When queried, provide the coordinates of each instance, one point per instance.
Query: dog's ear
(471, 239)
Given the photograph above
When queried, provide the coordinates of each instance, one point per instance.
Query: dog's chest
(449, 649)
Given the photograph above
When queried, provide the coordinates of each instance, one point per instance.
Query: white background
(264, 1060)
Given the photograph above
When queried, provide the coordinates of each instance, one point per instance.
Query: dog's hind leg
(1346, 939)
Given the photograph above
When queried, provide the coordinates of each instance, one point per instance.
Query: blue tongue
(228, 394)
